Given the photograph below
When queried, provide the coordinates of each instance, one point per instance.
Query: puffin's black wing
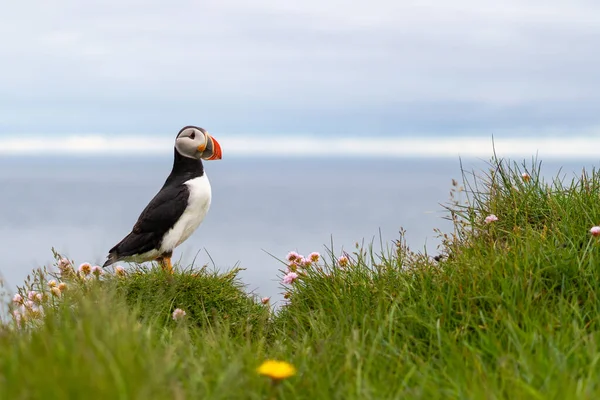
(163, 211)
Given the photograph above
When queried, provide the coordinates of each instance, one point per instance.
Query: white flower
(490, 218)
(178, 314)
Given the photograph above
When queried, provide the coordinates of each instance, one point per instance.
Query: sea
(262, 208)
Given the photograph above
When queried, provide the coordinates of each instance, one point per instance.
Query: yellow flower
(276, 370)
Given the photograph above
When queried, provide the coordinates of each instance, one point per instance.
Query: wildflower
(595, 231)
(36, 311)
(97, 271)
(52, 283)
(343, 261)
(39, 298)
(62, 286)
(304, 262)
(290, 277)
(178, 314)
(120, 271)
(525, 177)
(314, 257)
(65, 267)
(490, 218)
(292, 267)
(17, 299)
(18, 317)
(31, 295)
(293, 256)
(55, 291)
(85, 269)
(29, 304)
(276, 370)
(265, 300)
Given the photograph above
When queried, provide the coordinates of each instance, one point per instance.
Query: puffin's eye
(193, 135)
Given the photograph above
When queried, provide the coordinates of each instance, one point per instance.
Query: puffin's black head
(194, 142)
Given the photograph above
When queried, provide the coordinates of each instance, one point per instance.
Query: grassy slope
(510, 312)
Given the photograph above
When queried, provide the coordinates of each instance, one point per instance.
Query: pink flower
(85, 268)
(17, 299)
(18, 317)
(314, 257)
(29, 305)
(265, 300)
(343, 261)
(304, 262)
(55, 291)
(31, 295)
(293, 256)
(62, 286)
(595, 231)
(36, 311)
(490, 218)
(525, 176)
(178, 314)
(64, 263)
(290, 277)
(96, 270)
(39, 297)
(292, 267)
(119, 271)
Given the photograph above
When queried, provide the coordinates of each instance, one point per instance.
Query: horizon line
(310, 146)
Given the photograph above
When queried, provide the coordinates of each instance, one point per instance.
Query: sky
(382, 69)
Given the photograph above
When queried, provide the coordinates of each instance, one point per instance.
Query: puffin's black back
(161, 213)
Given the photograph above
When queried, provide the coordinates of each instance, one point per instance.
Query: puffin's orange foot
(165, 264)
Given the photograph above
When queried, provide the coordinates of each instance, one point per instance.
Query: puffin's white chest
(198, 205)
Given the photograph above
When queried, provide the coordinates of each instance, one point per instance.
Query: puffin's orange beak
(217, 153)
(211, 149)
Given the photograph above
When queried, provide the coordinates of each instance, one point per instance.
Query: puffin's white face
(194, 142)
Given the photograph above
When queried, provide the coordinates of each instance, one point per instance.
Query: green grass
(511, 311)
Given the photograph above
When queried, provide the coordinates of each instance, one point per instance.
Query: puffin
(177, 209)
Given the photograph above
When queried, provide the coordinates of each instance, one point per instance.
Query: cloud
(276, 66)
(306, 146)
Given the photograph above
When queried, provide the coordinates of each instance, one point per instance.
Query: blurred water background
(261, 208)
